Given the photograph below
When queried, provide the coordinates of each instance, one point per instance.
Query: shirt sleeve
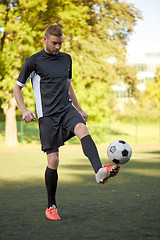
(27, 72)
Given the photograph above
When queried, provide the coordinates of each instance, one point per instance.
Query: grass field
(133, 132)
(126, 208)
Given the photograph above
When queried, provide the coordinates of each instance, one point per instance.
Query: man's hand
(84, 115)
(28, 116)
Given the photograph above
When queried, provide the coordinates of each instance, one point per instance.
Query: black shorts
(55, 130)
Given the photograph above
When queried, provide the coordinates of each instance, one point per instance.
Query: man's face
(53, 44)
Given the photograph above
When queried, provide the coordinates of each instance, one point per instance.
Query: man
(51, 73)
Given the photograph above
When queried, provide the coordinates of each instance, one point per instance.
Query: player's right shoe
(51, 213)
(106, 172)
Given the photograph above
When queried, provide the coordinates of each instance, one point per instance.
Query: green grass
(126, 208)
(132, 132)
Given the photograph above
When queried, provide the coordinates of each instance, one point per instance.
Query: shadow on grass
(127, 207)
(131, 164)
(154, 152)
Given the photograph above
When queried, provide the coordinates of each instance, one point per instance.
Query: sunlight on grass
(144, 172)
(84, 206)
(30, 164)
(68, 176)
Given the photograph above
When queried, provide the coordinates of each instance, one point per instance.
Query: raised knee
(81, 130)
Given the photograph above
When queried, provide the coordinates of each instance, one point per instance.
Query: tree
(153, 89)
(96, 34)
(22, 28)
(151, 96)
(99, 52)
(146, 105)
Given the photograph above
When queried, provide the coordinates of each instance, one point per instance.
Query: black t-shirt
(50, 75)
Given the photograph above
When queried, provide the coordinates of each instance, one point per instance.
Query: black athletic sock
(90, 151)
(51, 179)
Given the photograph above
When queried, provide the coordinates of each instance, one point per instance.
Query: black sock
(90, 151)
(51, 178)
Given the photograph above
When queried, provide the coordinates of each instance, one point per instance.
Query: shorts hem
(48, 151)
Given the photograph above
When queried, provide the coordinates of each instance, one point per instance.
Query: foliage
(147, 104)
(22, 32)
(96, 33)
(99, 55)
(152, 93)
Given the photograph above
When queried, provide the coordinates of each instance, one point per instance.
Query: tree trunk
(11, 124)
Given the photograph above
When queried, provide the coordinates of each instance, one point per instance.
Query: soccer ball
(119, 152)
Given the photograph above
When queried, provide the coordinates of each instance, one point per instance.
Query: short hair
(54, 30)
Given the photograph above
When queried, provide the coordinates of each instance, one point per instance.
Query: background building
(145, 59)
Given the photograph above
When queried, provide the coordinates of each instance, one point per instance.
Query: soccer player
(59, 112)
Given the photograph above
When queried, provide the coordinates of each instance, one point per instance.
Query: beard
(52, 51)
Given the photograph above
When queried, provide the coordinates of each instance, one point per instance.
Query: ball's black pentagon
(112, 149)
(121, 141)
(116, 161)
(125, 153)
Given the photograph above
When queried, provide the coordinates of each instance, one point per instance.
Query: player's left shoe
(51, 213)
(106, 172)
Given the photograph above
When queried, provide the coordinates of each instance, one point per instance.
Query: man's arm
(76, 103)
(28, 116)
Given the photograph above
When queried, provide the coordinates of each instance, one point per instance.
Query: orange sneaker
(106, 172)
(51, 213)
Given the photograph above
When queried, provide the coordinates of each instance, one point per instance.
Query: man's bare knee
(53, 160)
(81, 130)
